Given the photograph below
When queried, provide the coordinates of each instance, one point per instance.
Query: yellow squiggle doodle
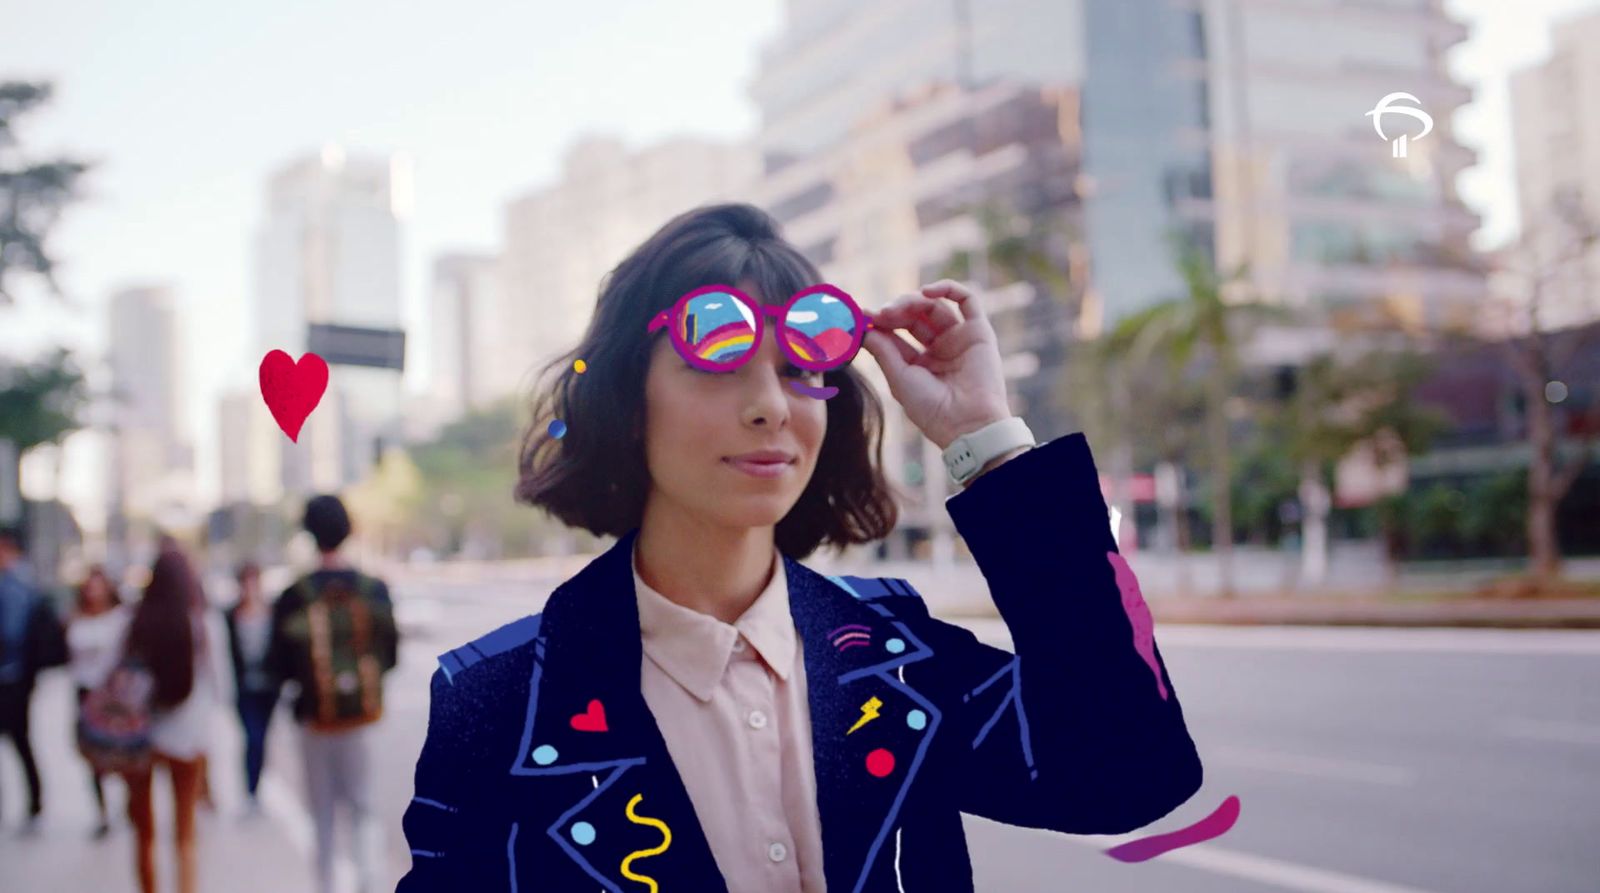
(666, 841)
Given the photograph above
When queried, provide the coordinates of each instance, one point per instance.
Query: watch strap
(969, 453)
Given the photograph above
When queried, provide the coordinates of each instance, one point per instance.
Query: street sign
(357, 346)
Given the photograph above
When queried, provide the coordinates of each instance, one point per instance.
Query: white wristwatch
(967, 454)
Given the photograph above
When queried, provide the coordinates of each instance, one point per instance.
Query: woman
(178, 640)
(696, 709)
(249, 632)
(94, 640)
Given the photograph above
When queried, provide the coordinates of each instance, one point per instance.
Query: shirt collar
(694, 648)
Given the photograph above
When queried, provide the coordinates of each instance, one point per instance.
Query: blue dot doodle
(557, 428)
(544, 754)
(583, 833)
(895, 646)
(916, 719)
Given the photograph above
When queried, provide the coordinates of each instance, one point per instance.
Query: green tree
(39, 404)
(33, 193)
(1336, 403)
(1200, 332)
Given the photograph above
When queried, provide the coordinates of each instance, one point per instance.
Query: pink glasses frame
(759, 313)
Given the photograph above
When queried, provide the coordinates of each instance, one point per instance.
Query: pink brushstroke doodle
(1144, 625)
(1209, 828)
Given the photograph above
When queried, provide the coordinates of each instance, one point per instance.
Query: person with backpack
(174, 653)
(95, 634)
(249, 635)
(334, 637)
(31, 640)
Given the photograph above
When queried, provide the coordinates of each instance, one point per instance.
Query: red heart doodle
(594, 720)
(292, 389)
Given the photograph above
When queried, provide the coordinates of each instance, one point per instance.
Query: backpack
(341, 676)
(113, 727)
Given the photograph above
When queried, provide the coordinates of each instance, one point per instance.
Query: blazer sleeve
(446, 824)
(1080, 730)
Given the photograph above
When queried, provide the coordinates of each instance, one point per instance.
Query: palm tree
(32, 193)
(1201, 331)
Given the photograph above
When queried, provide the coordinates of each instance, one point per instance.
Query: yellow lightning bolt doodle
(666, 841)
(869, 712)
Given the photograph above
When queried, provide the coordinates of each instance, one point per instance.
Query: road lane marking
(1551, 730)
(1317, 767)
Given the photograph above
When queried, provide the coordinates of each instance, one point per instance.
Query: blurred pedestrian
(180, 642)
(95, 634)
(31, 640)
(249, 635)
(333, 634)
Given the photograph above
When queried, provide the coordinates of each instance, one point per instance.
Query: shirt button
(777, 852)
(738, 644)
(758, 720)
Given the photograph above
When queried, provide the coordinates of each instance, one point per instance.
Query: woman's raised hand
(949, 380)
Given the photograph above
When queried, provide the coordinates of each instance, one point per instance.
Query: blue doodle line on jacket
(1013, 698)
(511, 854)
(881, 670)
(617, 767)
(896, 586)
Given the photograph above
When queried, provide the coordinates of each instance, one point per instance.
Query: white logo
(1382, 108)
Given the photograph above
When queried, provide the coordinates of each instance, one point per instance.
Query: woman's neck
(718, 571)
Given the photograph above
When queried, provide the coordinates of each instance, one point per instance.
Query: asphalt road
(1366, 761)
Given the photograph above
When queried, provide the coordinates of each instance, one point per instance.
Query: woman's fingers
(892, 353)
(924, 318)
(964, 297)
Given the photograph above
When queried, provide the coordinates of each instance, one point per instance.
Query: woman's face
(97, 593)
(250, 587)
(731, 449)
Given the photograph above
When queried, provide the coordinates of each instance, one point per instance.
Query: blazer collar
(871, 731)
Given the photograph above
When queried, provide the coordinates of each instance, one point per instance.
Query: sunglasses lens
(821, 329)
(717, 327)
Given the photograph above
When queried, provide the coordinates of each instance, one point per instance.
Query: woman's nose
(766, 405)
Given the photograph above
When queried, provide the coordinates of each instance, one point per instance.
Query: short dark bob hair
(327, 521)
(595, 476)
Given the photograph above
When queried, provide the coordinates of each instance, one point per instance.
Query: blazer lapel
(871, 732)
(589, 735)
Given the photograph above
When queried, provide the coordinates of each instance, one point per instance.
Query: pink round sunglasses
(717, 327)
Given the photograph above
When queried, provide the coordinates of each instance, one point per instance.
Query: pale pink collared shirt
(731, 705)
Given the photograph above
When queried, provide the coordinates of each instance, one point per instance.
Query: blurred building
(152, 459)
(248, 451)
(563, 238)
(914, 194)
(1306, 192)
(327, 280)
(1555, 111)
(464, 330)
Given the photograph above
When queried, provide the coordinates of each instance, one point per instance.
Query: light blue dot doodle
(917, 720)
(895, 646)
(544, 755)
(583, 833)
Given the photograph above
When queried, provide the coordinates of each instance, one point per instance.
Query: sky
(186, 106)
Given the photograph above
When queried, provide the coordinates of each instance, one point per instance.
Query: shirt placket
(757, 698)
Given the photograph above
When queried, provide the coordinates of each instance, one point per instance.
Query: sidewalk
(960, 591)
(236, 855)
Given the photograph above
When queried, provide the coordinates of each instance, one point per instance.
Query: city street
(1366, 761)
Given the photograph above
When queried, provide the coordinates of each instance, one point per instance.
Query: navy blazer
(1076, 732)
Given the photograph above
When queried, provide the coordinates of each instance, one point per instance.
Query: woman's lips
(760, 468)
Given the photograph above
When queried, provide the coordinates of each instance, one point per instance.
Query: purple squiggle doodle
(1144, 625)
(1209, 828)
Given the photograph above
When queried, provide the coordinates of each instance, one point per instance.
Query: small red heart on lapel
(292, 389)
(593, 720)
